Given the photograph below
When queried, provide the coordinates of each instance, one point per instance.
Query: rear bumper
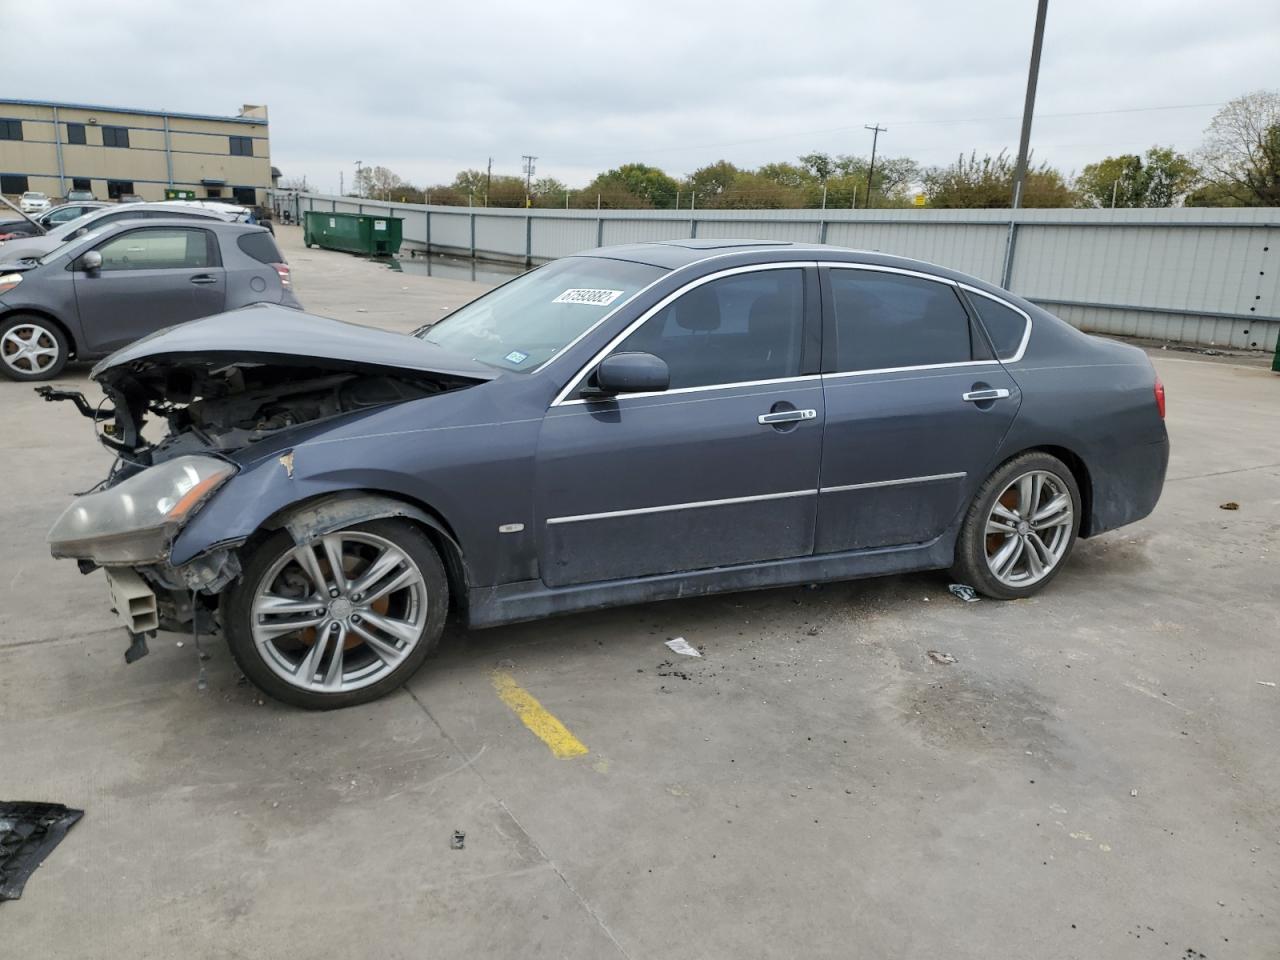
(1128, 487)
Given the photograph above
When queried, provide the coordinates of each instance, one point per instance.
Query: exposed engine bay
(207, 406)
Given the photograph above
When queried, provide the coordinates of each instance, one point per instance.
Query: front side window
(744, 327)
(524, 323)
(886, 320)
(157, 248)
(65, 214)
(115, 136)
(75, 133)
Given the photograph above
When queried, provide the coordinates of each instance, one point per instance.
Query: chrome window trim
(681, 390)
(668, 507)
(576, 380)
(880, 268)
(925, 366)
(893, 483)
(1026, 333)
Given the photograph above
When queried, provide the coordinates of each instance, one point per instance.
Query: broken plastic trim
(28, 834)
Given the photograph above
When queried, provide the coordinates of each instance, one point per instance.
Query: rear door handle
(978, 396)
(204, 278)
(786, 416)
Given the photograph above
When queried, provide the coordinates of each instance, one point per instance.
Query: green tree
(1163, 179)
(988, 182)
(650, 186)
(712, 181)
(820, 166)
(787, 174)
(1240, 156)
(751, 191)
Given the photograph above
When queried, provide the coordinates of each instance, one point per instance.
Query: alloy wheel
(339, 613)
(1029, 528)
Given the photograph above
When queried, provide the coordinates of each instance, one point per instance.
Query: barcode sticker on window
(593, 298)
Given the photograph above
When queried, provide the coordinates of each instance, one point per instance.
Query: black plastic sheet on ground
(28, 833)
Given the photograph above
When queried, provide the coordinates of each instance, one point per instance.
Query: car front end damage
(182, 425)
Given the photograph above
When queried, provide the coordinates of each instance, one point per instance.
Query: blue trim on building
(145, 113)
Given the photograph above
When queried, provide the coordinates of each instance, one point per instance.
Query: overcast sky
(428, 88)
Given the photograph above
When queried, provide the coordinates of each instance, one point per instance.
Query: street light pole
(876, 130)
(1028, 108)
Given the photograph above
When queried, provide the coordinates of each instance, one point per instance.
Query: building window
(115, 136)
(81, 183)
(116, 188)
(241, 146)
(245, 195)
(213, 193)
(14, 183)
(10, 129)
(75, 133)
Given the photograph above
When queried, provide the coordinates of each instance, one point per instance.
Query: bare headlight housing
(136, 520)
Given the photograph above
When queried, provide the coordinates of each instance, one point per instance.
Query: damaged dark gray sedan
(634, 423)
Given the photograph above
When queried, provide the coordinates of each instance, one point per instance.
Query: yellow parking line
(536, 717)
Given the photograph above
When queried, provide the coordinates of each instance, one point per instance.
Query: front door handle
(786, 416)
(979, 396)
(204, 278)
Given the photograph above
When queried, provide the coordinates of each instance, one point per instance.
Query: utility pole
(876, 130)
(488, 182)
(528, 175)
(357, 184)
(340, 187)
(1028, 108)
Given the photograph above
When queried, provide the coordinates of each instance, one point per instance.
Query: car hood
(27, 247)
(268, 333)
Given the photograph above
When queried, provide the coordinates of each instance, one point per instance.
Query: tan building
(112, 151)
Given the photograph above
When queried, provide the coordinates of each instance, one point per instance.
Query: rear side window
(1005, 326)
(260, 246)
(886, 320)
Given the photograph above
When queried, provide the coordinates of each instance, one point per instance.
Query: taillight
(1160, 397)
(282, 269)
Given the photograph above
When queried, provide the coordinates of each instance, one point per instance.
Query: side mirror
(629, 373)
(91, 262)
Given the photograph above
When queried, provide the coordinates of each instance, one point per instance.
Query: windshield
(526, 322)
(74, 248)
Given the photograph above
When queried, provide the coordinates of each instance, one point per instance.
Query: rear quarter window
(260, 246)
(1005, 326)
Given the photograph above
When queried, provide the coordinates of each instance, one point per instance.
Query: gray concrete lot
(1095, 776)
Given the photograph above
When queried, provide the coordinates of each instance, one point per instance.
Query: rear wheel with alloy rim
(31, 348)
(1020, 528)
(340, 620)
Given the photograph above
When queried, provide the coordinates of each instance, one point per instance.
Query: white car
(34, 202)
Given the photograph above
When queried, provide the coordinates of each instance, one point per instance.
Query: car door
(719, 469)
(916, 407)
(150, 278)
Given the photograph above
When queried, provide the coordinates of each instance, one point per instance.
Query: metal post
(473, 236)
(1029, 106)
(824, 196)
(599, 231)
(822, 231)
(528, 241)
(168, 151)
(677, 199)
(57, 141)
(428, 233)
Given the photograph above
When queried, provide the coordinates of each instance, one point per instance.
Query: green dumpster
(363, 233)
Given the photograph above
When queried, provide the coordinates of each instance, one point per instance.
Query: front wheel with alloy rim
(31, 348)
(1020, 528)
(340, 620)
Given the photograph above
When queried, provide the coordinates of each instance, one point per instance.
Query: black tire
(971, 565)
(47, 334)
(238, 623)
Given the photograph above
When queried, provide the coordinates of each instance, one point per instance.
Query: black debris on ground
(28, 834)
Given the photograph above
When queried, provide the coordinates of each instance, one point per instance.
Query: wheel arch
(327, 512)
(73, 348)
(1079, 472)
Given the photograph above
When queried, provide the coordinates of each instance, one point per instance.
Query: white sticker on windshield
(593, 298)
(515, 356)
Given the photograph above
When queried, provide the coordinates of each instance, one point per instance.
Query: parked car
(35, 247)
(129, 279)
(37, 226)
(74, 195)
(34, 202)
(630, 424)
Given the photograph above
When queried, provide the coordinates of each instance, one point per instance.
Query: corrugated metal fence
(1202, 276)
